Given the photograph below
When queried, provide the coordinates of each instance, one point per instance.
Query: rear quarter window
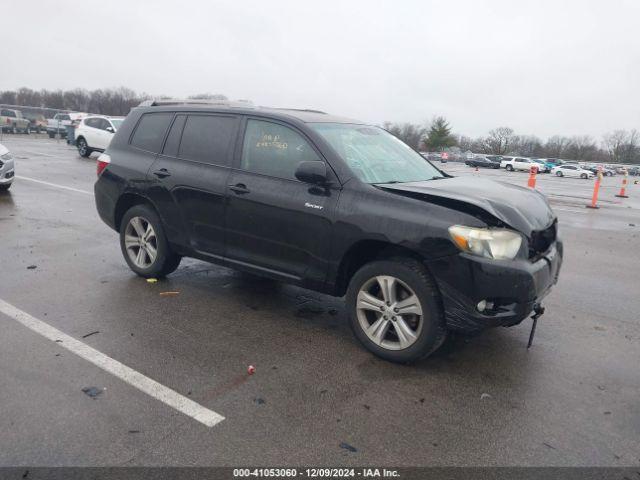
(149, 132)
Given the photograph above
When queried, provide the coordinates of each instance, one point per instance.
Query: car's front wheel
(83, 148)
(395, 310)
(559, 173)
(144, 244)
(584, 175)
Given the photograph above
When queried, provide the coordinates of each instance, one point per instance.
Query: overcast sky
(541, 67)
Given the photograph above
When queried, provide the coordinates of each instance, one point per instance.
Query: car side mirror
(109, 129)
(314, 172)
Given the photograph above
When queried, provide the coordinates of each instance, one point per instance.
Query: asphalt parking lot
(317, 397)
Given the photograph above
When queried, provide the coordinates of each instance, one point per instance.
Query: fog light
(482, 304)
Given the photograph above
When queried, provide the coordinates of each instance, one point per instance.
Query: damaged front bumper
(479, 293)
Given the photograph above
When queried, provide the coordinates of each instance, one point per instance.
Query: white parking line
(108, 364)
(54, 185)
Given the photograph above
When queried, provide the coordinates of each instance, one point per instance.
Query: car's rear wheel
(559, 173)
(395, 310)
(509, 168)
(144, 244)
(83, 148)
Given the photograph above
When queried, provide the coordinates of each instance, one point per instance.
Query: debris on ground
(632, 224)
(607, 413)
(169, 294)
(92, 392)
(32, 267)
(549, 446)
(599, 328)
(346, 446)
(89, 334)
(366, 406)
(134, 431)
(309, 311)
(152, 280)
(251, 369)
(484, 395)
(259, 401)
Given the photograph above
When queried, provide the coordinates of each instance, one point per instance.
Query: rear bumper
(513, 287)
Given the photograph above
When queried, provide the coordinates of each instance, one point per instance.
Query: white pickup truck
(58, 124)
(517, 163)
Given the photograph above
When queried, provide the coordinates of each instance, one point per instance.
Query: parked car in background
(94, 133)
(13, 121)
(482, 161)
(37, 121)
(58, 124)
(495, 158)
(635, 171)
(542, 165)
(571, 171)
(607, 172)
(333, 205)
(7, 170)
(516, 163)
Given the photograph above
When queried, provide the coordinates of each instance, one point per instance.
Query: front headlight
(6, 156)
(497, 243)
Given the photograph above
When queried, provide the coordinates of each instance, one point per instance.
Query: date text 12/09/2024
(316, 472)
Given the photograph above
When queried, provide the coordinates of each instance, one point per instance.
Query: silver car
(6, 168)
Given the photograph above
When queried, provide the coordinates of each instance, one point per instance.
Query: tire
(584, 176)
(51, 135)
(26, 131)
(559, 173)
(83, 148)
(14, 130)
(165, 261)
(411, 278)
(38, 129)
(509, 168)
(5, 186)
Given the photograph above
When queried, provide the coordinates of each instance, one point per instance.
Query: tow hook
(538, 311)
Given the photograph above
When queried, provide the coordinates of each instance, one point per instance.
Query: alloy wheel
(141, 242)
(389, 312)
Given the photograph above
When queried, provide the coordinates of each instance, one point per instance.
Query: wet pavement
(572, 399)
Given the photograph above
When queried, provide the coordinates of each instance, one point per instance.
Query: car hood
(520, 208)
(3, 150)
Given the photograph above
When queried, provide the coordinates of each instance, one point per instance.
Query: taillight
(103, 161)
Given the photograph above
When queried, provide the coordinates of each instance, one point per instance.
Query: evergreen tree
(439, 136)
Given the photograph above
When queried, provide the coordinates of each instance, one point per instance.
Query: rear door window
(208, 139)
(150, 131)
(173, 139)
(273, 149)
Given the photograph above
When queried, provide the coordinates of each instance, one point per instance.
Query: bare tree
(499, 142)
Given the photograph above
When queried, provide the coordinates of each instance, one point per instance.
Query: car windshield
(376, 156)
(116, 122)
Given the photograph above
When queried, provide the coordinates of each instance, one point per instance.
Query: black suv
(333, 205)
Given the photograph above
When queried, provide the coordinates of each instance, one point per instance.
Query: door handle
(239, 188)
(162, 173)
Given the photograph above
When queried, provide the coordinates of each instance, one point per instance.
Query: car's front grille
(541, 240)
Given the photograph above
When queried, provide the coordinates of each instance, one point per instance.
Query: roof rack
(171, 101)
(302, 110)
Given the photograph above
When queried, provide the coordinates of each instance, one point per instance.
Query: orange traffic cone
(532, 177)
(623, 189)
(596, 188)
